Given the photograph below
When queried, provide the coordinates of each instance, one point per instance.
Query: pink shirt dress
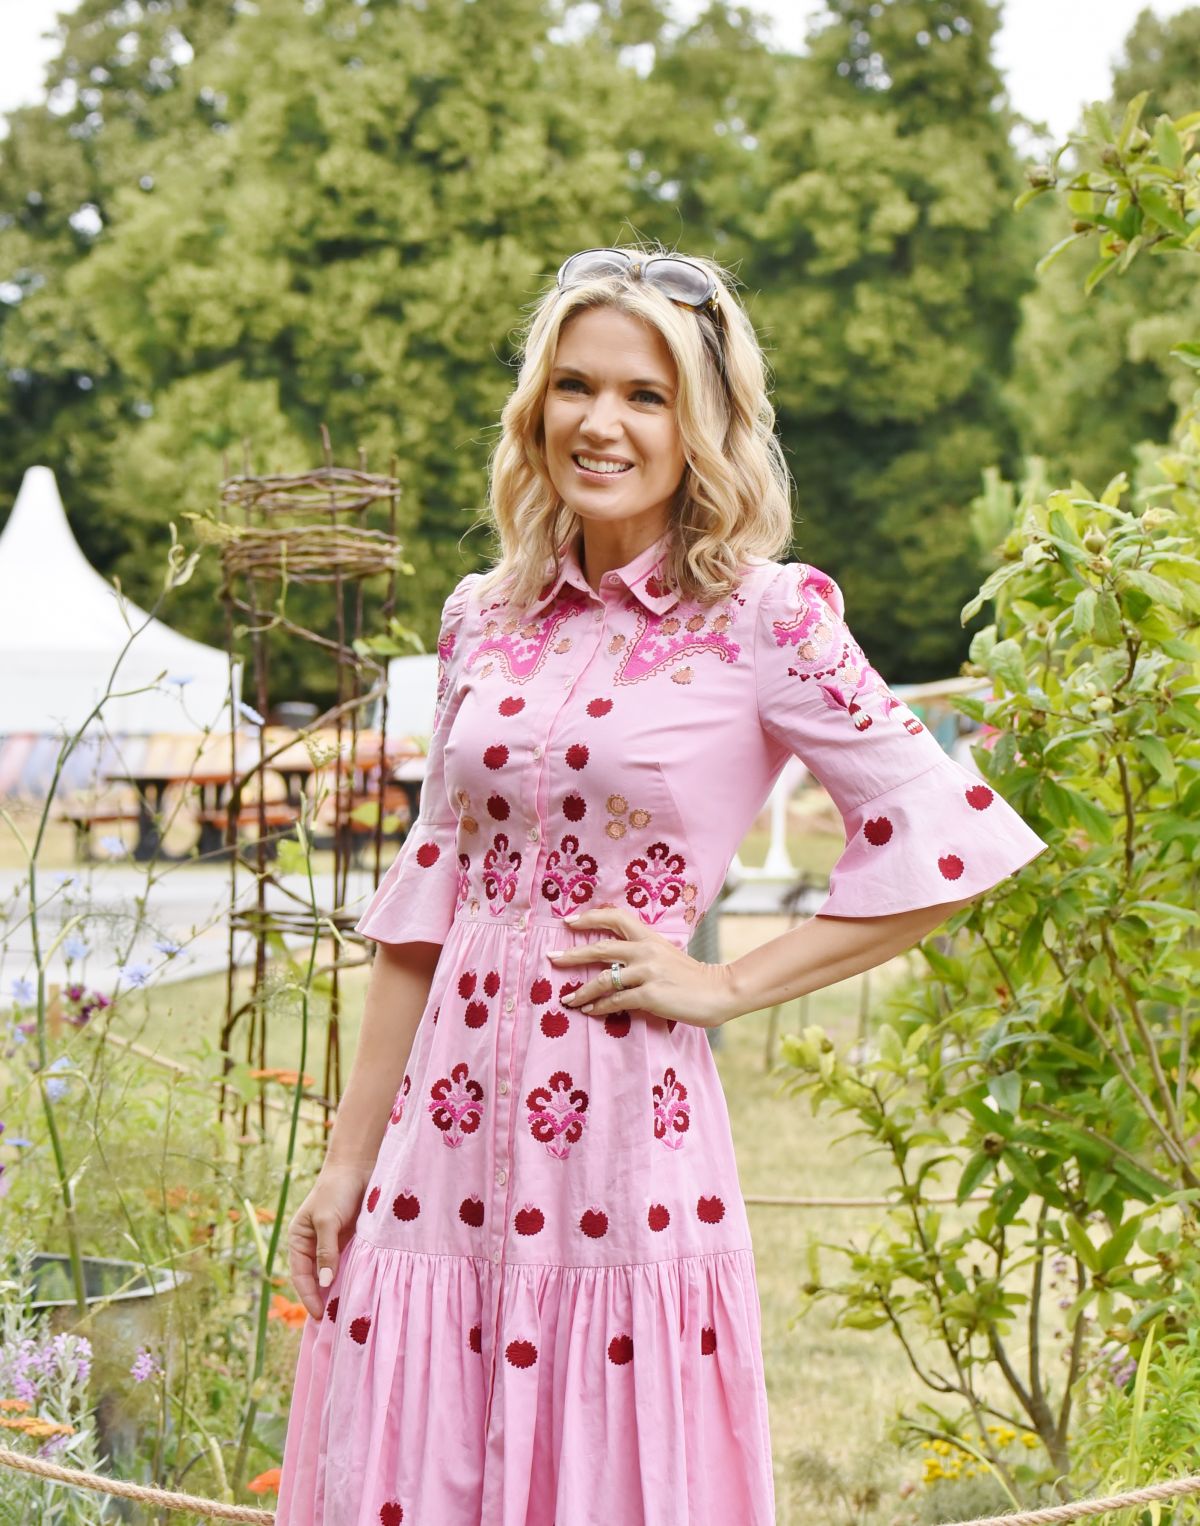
(547, 1314)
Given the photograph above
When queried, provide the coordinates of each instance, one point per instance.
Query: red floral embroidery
(470, 1211)
(617, 1024)
(406, 1206)
(498, 807)
(555, 1024)
(495, 756)
(708, 1341)
(540, 992)
(428, 854)
(401, 1098)
(462, 887)
(491, 983)
(620, 1350)
(466, 983)
(594, 1223)
(331, 1308)
(521, 1353)
(372, 1199)
(570, 879)
(598, 707)
(360, 1328)
(710, 1210)
(574, 807)
(577, 755)
(951, 866)
(557, 1114)
(457, 1105)
(877, 831)
(979, 797)
(658, 1216)
(511, 704)
(475, 1338)
(656, 881)
(529, 1220)
(391, 1514)
(672, 1110)
(500, 870)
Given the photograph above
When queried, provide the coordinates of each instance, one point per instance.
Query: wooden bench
(276, 817)
(84, 817)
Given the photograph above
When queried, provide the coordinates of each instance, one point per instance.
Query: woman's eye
(653, 396)
(567, 381)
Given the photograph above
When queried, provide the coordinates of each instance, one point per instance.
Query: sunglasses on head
(683, 281)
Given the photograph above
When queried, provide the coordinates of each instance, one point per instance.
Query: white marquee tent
(62, 628)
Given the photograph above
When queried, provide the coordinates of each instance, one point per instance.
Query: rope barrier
(1051, 1515)
(1082, 1510)
(166, 1498)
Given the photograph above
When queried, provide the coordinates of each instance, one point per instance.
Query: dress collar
(643, 577)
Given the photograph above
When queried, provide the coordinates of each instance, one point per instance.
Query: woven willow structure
(277, 533)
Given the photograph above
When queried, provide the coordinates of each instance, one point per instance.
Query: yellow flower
(1029, 1441)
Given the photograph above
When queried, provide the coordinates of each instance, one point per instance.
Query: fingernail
(587, 1007)
(325, 1276)
(571, 917)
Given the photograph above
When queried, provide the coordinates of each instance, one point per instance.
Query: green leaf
(1129, 121)
(1114, 1251)
(1007, 662)
(1107, 630)
(1005, 1091)
(979, 1166)
(1081, 1244)
(1158, 755)
(290, 857)
(1097, 273)
(1083, 617)
(1157, 589)
(1162, 211)
(1167, 145)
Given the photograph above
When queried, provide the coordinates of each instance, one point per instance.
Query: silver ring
(614, 970)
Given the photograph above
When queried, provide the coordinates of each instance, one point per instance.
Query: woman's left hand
(656, 976)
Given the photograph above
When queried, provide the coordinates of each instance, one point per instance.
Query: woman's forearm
(396, 995)
(824, 950)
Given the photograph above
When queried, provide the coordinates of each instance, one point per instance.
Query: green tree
(1094, 372)
(889, 278)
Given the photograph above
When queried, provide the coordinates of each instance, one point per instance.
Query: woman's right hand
(320, 1228)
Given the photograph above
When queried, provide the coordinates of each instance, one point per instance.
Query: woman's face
(613, 447)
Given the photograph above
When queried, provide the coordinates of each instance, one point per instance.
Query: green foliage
(1046, 1068)
(209, 253)
(1094, 371)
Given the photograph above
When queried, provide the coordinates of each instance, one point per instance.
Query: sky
(1056, 55)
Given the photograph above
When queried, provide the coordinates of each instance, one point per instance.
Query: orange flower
(264, 1215)
(266, 1483)
(282, 1308)
(286, 1077)
(18, 1405)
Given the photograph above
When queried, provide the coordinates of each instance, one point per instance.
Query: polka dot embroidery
(391, 1514)
(577, 755)
(710, 1210)
(521, 1353)
(511, 704)
(951, 866)
(331, 1309)
(495, 756)
(598, 707)
(574, 807)
(877, 831)
(620, 1350)
(708, 1341)
(498, 808)
(475, 1338)
(360, 1328)
(428, 854)
(979, 797)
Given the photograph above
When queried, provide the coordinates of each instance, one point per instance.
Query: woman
(536, 1300)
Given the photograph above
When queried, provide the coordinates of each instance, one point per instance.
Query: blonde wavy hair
(733, 501)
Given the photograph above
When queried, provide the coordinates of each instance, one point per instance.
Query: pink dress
(547, 1314)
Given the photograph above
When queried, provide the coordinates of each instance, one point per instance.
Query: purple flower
(167, 946)
(114, 847)
(145, 1365)
(134, 974)
(74, 993)
(22, 990)
(75, 948)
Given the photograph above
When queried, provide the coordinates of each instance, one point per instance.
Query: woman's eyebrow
(634, 381)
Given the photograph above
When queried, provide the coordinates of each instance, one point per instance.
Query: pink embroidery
(655, 881)
(522, 649)
(401, 1098)
(557, 1114)
(500, 870)
(457, 1105)
(663, 639)
(463, 882)
(570, 877)
(672, 1110)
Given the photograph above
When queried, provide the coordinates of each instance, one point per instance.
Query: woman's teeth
(610, 467)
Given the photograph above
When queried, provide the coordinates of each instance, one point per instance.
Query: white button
(503, 1088)
(534, 834)
(502, 1176)
(495, 1255)
(537, 752)
(521, 920)
(509, 1004)
(597, 615)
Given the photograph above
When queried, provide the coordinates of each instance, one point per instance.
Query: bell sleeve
(920, 828)
(415, 900)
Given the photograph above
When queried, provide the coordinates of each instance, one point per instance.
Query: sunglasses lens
(679, 280)
(590, 265)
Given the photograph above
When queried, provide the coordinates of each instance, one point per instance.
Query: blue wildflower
(114, 847)
(75, 948)
(134, 974)
(23, 990)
